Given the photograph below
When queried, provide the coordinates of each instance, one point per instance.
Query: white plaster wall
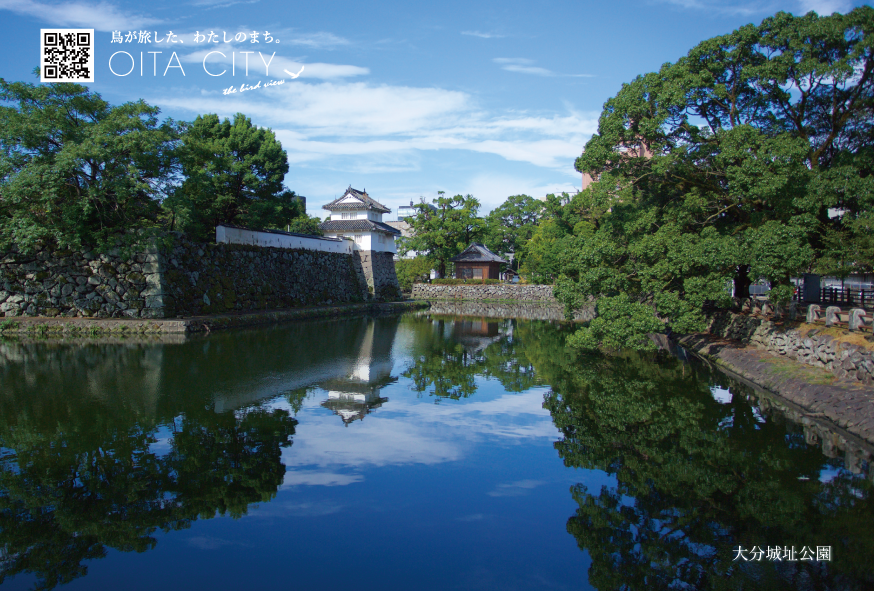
(226, 235)
(357, 215)
(370, 241)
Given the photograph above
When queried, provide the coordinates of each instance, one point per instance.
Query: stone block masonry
(174, 276)
(844, 360)
(531, 293)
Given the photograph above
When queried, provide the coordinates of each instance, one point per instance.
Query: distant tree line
(75, 170)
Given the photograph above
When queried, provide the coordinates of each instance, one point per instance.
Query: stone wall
(517, 309)
(378, 270)
(223, 278)
(844, 360)
(174, 276)
(62, 282)
(538, 293)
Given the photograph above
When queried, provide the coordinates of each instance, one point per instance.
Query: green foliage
(233, 174)
(542, 256)
(695, 479)
(305, 224)
(410, 271)
(725, 162)
(75, 170)
(443, 233)
(510, 226)
(447, 361)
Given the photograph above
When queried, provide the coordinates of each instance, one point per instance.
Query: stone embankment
(516, 309)
(172, 276)
(61, 327)
(533, 293)
(807, 345)
(828, 379)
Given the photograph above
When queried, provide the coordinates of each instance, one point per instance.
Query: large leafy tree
(233, 174)
(510, 226)
(76, 170)
(749, 157)
(443, 231)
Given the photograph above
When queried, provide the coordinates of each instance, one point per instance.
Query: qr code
(66, 55)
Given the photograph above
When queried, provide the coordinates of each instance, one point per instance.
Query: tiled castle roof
(364, 202)
(358, 225)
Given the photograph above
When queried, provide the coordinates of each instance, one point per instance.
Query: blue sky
(403, 99)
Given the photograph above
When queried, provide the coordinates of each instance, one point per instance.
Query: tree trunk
(742, 282)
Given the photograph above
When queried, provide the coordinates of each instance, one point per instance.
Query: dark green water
(411, 452)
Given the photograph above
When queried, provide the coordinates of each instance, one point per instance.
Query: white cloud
(318, 478)
(482, 35)
(262, 62)
(741, 9)
(213, 4)
(319, 40)
(825, 7)
(749, 9)
(101, 16)
(515, 489)
(523, 66)
(384, 128)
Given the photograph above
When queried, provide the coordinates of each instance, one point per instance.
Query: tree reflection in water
(450, 353)
(697, 479)
(82, 469)
(70, 490)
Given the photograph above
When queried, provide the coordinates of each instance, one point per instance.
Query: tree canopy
(751, 157)
(75, 169)
(78, 171)
(233, 174)
(443, 231)
(510, 226)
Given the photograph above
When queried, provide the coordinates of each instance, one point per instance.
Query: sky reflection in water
(415, 452)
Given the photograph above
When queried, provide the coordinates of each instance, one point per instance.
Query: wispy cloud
(825, 7)
(214, 4)
(524, 66)
(318, 40)
(515, 489)
(265, 63)
(210, 542)
(482, 35)
(751, 9)
(384, 126)
(101, 16)
(319, 478)
(726, 7)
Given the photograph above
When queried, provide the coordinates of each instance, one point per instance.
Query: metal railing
(847, 296)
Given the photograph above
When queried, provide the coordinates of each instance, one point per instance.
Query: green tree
(305, 224)
(233, 174)
(411, 270)
(730, 162)
(76, 170)
(442, 233)
(510, 226)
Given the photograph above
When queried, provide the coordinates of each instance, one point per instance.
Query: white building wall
(226, 235)
(370, 241)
